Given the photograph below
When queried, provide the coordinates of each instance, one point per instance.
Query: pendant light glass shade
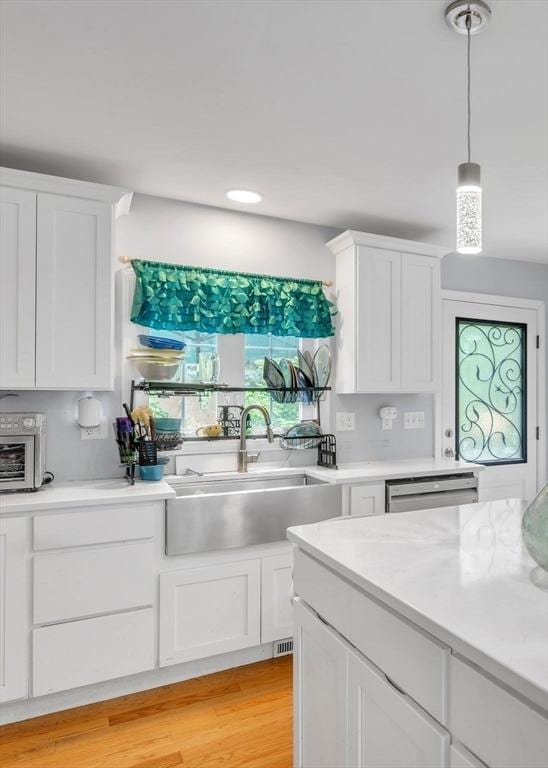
(469, 209)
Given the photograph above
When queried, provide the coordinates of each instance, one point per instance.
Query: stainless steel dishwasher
(412, 493)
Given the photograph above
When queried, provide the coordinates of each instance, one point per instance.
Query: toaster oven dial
(28, 423)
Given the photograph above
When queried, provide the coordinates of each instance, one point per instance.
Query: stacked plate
(299, 382)
(158, 359)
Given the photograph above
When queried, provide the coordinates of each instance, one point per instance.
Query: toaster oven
(22, 451)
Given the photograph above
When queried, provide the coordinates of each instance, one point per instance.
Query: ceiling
(341, 113)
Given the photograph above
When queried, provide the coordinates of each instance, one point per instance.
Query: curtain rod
(128, 260)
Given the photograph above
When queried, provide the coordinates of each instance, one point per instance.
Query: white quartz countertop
(84, 494)
(371, 471)
(461, 573)
(117, 491)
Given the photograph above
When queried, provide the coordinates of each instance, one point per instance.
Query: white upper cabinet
(420, 323)
(74, 327)
(17, 287)
(57, 274)
(389, 302)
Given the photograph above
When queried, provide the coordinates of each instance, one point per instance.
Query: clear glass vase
(534, 528)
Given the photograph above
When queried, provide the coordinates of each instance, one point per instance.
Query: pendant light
(468, 18)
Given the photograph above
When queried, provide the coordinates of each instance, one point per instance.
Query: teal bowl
(151, 471)
(167, 425)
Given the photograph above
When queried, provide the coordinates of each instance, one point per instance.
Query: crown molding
(353, 238)
(40, 182)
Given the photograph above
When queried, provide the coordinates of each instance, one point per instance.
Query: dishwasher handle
(432, 500)
(437, 484)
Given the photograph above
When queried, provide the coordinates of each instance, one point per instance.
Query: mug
(209, 430)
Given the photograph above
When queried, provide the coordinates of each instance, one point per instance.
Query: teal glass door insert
(491, 387)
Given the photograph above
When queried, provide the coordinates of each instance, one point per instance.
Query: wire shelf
(180, 388)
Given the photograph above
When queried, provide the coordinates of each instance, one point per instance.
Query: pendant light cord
(468, 27)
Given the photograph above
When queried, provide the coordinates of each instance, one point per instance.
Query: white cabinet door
(385, 728)
(17, 287)
(210, 610)
(378, 320)
(320, 692)
(367, 500)
(74, 299)
(13, 610)
(276, 591)
(420, 323)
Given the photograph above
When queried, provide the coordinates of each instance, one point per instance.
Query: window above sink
(240, 360)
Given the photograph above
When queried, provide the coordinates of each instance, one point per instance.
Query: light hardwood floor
(238, 718)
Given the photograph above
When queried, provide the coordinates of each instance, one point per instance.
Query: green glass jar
(534, 528)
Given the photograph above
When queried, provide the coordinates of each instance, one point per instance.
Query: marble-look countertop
(372, 471)
(84, 494)
(461, 573)
(117, 491)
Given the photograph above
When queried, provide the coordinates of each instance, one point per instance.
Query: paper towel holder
(89, 412)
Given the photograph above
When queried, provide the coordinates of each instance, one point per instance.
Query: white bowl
(156, 371)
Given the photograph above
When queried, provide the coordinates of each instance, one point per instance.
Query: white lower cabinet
(366, 500)
(348, 714)
(320, 693)
(386, 729)
(276, 591)
(209, 610)
(91, 650)
(13, 609)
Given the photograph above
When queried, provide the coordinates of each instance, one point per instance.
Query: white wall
(167, 230)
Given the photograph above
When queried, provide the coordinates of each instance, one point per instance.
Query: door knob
(449, 453)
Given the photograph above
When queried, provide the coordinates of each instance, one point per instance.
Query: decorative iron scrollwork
(490, 391)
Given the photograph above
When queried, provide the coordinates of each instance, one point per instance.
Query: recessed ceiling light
(244, 196)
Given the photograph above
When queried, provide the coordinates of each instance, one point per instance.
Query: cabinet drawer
(83, 582)
(415, 661)
(84, 652)
(494, 724)
(323, 590)
(96, 525)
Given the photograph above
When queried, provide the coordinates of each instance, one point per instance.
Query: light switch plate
(413, 420)
(345, 421)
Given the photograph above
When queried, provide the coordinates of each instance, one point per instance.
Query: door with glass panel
(489, 394)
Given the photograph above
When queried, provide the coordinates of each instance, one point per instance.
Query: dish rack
(168, 441)
(325, 444)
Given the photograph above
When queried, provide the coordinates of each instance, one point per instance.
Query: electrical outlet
(345, 422)
(94, 433)
(413, 420)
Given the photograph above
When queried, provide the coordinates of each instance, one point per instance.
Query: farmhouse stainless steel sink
(223, 514)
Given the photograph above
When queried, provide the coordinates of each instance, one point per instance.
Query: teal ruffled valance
(174, 297)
